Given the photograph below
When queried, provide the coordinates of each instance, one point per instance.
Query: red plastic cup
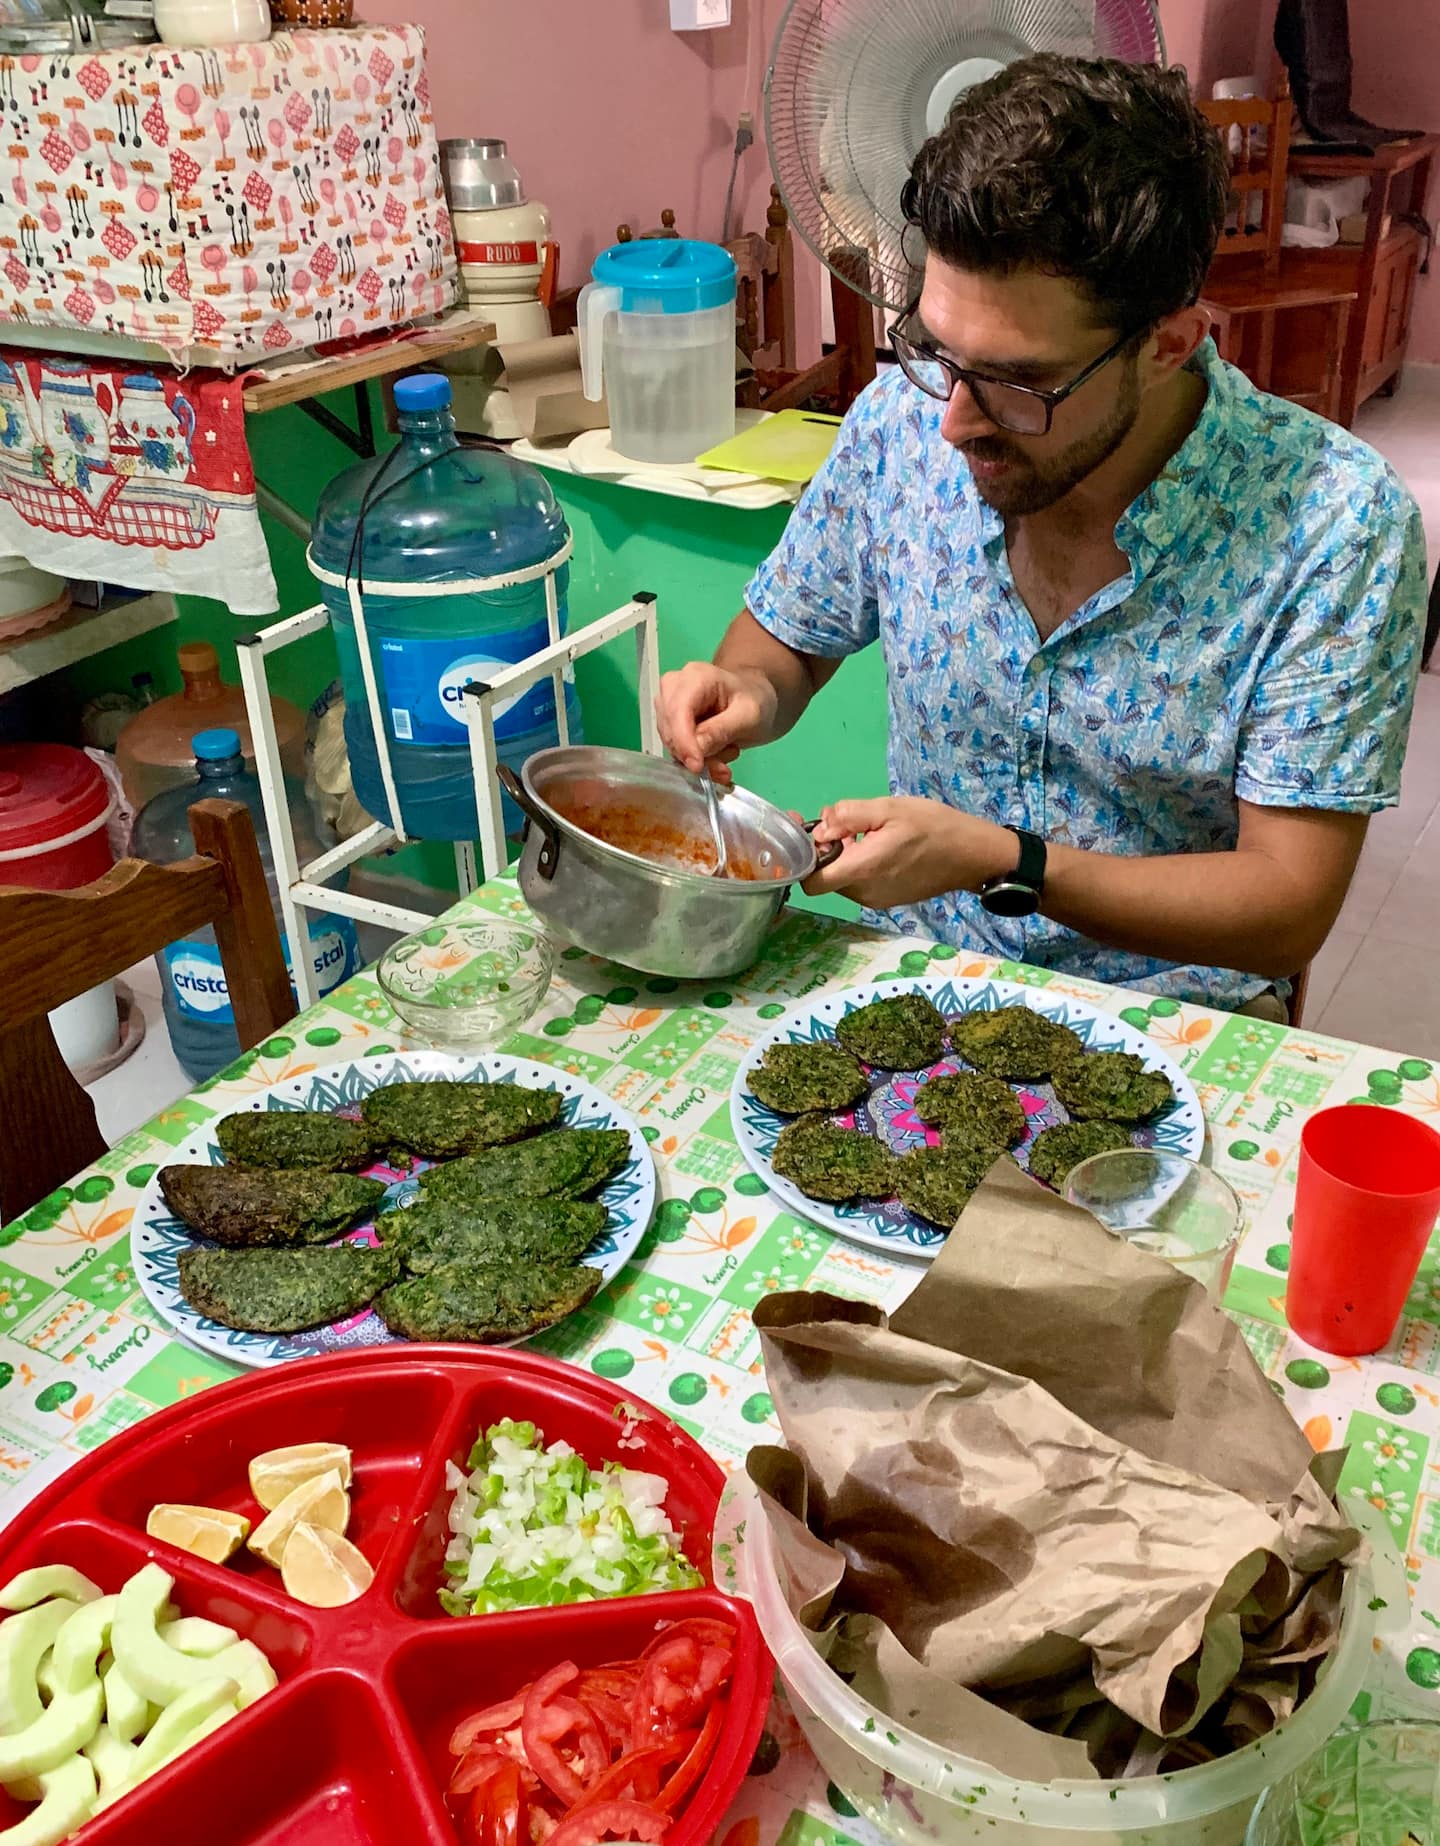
(1366, 1201)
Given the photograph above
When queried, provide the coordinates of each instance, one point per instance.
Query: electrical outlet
(698, 15)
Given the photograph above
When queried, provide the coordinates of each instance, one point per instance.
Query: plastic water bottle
(193, 991)
(433, 512)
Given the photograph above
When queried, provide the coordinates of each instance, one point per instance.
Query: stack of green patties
(977, 1113)
(490, 1251)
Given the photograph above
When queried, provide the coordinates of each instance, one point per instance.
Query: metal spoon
(721, 868)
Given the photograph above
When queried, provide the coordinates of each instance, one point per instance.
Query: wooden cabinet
(1383, 269)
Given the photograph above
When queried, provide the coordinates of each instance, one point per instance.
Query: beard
(1030, 484)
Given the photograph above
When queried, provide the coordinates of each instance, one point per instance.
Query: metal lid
(479, 175)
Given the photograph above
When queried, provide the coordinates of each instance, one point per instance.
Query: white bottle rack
(303, 888)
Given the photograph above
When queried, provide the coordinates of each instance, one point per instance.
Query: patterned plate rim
(1181, 1129)
(159, 1237)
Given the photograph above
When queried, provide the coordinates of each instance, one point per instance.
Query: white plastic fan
(855, 86)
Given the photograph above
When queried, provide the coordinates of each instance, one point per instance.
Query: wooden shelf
(1393, 157)
(80, 634)
(459, 330)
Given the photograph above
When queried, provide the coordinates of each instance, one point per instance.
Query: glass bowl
(1369, 1786)
(469, 983)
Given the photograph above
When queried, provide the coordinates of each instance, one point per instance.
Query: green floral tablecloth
(82, 1355)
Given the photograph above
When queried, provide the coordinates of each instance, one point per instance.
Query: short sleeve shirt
(1263, 647)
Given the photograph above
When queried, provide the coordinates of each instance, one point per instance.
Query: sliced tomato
(690, 1771)
(584, 1732)
(708, 1630)
(614, 1715)
(544, 1723)
(504, 1805)
(494, 1718)
(610, 1820)
(475, 1769)
(638, 1773)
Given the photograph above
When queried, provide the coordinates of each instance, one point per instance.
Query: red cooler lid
(46, 792)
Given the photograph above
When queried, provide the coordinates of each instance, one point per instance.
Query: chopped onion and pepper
(582, 1755)
(532, 1526)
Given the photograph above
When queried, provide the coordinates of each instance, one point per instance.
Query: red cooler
(54, 804)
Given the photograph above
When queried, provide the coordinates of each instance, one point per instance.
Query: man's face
(1028, 329)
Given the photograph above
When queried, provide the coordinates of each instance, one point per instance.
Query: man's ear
(1173, 341)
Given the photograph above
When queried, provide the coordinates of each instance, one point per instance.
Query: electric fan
(855, 86)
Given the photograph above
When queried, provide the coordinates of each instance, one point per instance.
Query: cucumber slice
(32, 1586)
(252, 1672)
(192, 1634)
(175, 1728)
(80, 1643)
(112, 1760)
(67, 1722)
(67, 1803)
(127, 1712)
(45, 1679)
(153, 1667)
(25, 1639)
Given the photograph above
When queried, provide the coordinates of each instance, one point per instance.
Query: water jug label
(425, 683)
(199, 979)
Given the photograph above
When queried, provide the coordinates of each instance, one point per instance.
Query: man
(1151, 636)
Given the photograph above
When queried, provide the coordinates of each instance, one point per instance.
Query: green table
(82, 1355)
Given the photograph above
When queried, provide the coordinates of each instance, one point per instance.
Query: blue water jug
(193, 991)
(433, 512)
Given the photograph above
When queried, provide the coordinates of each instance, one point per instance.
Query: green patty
(439, 1121)
(293, 1139)
(832, 1163)
(1014, 1042)
(936, 1182)
(971, 1108)
(486, 1302)
(284, 1291)
(905, 1033)
(239, 1207)
(1112, 1086)
(800, 1079)
(1056, 1150)
(434, 1231)
(567, 1163)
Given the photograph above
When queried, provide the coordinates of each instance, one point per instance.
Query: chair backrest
(57, 944)
(1256, 134)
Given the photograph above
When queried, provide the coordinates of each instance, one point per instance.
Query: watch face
(1006, 898)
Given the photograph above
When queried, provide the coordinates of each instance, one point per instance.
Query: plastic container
(212, 22)
(657, 341)
(431, 512)
(1367, 1196)
(1376, 1782)
(153, 750)
(54, 806)
(193, 991)
(914, 1791)
(467, 984)
(350, 1748)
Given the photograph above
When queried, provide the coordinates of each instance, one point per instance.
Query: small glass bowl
(467, 984)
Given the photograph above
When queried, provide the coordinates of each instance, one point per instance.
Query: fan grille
(841, 161)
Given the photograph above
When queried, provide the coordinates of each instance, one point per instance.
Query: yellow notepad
(789, 446)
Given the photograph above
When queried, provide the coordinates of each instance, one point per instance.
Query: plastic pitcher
(657, 339)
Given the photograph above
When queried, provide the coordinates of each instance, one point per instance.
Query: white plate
(157, 1237)
(887, 1111)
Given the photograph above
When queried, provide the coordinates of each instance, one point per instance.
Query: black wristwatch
(1017, 893)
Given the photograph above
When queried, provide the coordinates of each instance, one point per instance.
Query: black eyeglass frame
(902, 345)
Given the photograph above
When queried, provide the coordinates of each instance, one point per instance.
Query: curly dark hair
(1101, 172)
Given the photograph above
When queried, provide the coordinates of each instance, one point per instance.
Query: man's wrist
(995, 854)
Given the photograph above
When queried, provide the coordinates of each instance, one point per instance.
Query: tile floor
(1377, 978)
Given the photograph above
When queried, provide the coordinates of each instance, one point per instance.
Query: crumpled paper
(1055, 1479)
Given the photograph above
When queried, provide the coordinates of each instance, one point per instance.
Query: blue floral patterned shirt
(1264, 646)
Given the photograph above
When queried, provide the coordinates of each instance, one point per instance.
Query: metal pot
(659, 918)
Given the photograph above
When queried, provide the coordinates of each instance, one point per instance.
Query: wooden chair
(1286, 333)
(57, 944)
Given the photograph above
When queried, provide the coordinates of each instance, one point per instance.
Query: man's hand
(707, 714)
(903, 850)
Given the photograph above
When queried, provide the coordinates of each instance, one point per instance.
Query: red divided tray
(350, 1748)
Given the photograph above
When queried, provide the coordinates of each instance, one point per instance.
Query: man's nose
(964, 420)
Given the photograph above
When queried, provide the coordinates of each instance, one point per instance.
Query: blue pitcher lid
(667, 275)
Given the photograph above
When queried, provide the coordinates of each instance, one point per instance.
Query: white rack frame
(302, 887)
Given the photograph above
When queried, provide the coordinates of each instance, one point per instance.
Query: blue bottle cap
(423, 391)
(212, 746)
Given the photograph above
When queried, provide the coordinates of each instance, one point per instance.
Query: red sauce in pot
(631, 828)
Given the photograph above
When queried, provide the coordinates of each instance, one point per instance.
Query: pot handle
(828, 853)
(534, 816)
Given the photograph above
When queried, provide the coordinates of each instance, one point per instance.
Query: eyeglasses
(1021, 409)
